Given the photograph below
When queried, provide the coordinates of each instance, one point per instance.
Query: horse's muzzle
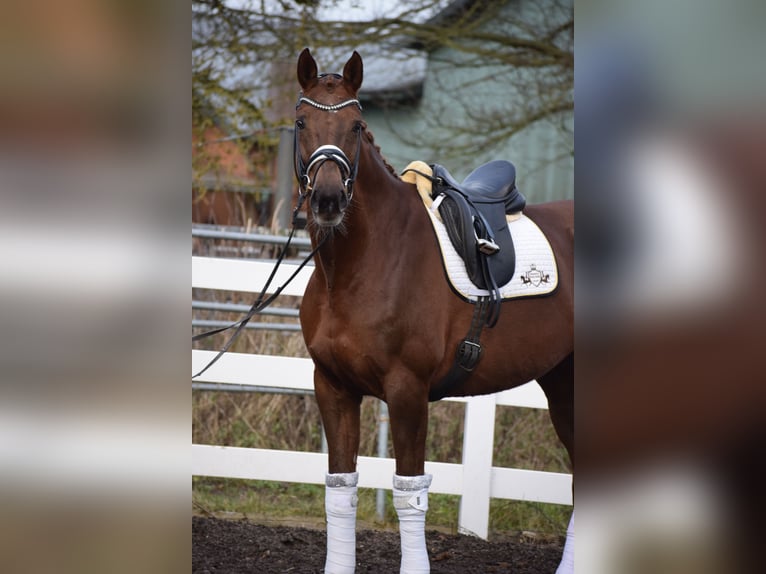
(328, 207)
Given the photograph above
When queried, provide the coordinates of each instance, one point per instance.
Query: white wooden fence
(475, 480)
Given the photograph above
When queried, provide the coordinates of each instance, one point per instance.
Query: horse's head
(328, 126)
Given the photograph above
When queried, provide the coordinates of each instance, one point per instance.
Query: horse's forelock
(335, 85)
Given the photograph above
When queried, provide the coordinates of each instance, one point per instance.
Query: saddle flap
(469, 228)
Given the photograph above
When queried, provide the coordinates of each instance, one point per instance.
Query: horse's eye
(300, 124)
(358, 127)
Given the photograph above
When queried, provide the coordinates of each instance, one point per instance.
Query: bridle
(325, 153)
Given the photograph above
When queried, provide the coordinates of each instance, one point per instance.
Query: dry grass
(524, 438)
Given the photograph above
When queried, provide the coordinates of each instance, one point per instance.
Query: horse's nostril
(333, 203)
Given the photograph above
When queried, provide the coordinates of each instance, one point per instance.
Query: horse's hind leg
(558, 385)
(340, 417)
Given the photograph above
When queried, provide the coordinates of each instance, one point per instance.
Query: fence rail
(475, 480)
(219, 233)
(214, 324)
(242, 308)
(246, 275)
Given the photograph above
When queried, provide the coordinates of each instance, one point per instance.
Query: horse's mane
(371, 139)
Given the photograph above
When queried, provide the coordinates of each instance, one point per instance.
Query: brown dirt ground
(233, 546)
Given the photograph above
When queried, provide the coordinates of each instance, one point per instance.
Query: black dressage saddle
(492, 183)
(474, 214)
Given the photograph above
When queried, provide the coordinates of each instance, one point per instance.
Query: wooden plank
(256, 370)
(246, 275)
(310, 468)
(258, 464)
(298, 373)
(528, 395)
(532, 485)
(478, 437)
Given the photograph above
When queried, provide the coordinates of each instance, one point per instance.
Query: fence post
(380, 495)
(478, 439)
(285, 175)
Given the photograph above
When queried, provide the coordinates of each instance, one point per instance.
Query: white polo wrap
(340, 507)
(411, 504)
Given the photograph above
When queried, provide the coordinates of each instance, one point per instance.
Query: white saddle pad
(536, 272)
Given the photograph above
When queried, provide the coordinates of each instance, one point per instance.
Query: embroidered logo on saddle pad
(536, 272)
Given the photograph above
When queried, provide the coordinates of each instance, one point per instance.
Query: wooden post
(478, 436)
(283, 202)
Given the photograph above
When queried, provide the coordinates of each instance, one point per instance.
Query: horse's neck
(375, 222)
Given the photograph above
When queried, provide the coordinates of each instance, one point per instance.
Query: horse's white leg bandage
(340, 505)
(411, 504)
(567, 560)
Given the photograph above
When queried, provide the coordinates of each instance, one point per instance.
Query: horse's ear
(352, 71)
(307, 69)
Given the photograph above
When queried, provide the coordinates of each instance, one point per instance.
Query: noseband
(326, 153)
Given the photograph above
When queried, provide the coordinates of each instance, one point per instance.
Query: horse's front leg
(407, 399)
(339, 409)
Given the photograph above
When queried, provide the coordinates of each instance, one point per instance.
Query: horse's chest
(349, 350)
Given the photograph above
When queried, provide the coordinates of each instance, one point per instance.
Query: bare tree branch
(528, 47)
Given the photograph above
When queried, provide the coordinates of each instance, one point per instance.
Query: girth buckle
(468, 354)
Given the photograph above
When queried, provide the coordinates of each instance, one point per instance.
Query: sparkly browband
(325, 107)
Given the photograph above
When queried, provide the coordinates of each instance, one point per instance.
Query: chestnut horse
(379, 319)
